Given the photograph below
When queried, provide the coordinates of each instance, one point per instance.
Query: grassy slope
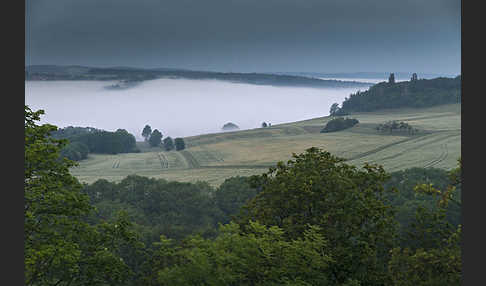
(215, 157)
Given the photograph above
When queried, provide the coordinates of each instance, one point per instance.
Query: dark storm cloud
(247, 35)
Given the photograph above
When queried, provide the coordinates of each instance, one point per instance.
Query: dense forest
(413, 93)
(85, 140)
(313, 220)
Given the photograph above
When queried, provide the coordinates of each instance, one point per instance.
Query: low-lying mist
(176, 107)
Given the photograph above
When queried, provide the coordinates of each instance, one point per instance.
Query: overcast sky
(248, 35)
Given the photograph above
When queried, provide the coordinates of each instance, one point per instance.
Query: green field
(215, 157)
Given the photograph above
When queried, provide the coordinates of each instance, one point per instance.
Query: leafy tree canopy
(348, 204)
(60, 247)
(146, 132)
(179, 144)
(340, 123)
(155, 138)
(168, 143)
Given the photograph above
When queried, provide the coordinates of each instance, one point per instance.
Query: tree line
(413, 93)
(85, 140)
(313, 220)
(154, 138)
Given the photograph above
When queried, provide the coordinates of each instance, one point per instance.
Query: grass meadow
(215, 157)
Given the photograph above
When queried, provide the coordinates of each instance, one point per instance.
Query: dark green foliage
(312, 221)
(347, 203)
(435, 256)
(75, 151)
(340, 123)
(155, 138)
(71, 131)
(389, 126)
(95, 140)
(60, 246)
(261, 256)
(179, 144)
(168, 143)
(146, 132)
(391, 79)
(407, 201)
(158, 207)
(232, 194)
(416, 93)
(264, 124)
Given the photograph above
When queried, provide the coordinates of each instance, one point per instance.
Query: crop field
(215, 157)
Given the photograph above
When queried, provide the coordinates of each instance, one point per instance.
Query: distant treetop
(230, 126)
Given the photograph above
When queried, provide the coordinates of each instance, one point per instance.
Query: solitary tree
(391, 79)
(168, 144)
(155, 138)
(230, 126)
(179, 144)
(414, 77)
(147, 130)
(264, 124)
(334, 109)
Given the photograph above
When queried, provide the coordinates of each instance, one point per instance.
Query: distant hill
(365, 75)
(52, 72)
(413, 93)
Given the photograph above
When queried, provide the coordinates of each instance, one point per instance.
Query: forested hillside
(413, 93)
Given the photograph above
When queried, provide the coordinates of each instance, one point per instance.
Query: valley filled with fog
(177, 107)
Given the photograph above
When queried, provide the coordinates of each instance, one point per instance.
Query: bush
(168, 144)
(339, 124)
(179, 144)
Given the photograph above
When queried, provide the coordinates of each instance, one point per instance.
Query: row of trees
(154, 138)
(389, 126)
(314, 220)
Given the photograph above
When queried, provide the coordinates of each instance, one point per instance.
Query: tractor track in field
(237, 167)
(428, 117)
(116, 164)
(164, 162)
(376, 150)
(417, 138)
(192, 163)
(418, 146)
(443, 155)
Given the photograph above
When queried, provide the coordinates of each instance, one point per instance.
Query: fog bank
(176, 107)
